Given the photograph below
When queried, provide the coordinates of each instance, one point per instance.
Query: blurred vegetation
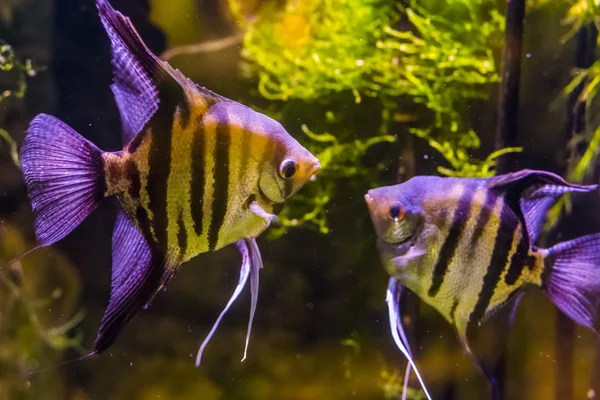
(9, 63)
(33, 294)
(582, 14)
(320, 52)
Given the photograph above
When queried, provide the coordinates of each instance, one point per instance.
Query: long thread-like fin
(573, 279)
(394, 313)
(64, 174)
(251, 265)
(255, 266)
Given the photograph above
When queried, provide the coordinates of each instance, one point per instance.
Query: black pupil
(395, 212)
(289, 170)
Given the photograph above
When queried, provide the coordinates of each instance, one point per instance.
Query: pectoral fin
(255, 208)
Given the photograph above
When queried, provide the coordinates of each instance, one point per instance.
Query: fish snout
(369, 199)
(316, 166)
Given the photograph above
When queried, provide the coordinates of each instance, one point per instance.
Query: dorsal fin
(531, 193)
(139, 75)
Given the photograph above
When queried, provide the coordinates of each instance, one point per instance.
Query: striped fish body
(467, 248)
(197, 172)
(194, 198)
(478, 253)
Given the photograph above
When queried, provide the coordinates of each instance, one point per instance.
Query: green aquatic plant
(582, 13)
(35, 294)
(10, 63)
(313, 53)
(392, 383)
(585, 81)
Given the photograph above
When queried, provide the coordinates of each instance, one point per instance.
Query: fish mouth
(369, 199)
(316, 166)
(397, 248)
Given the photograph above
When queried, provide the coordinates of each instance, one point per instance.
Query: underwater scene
(299, 199)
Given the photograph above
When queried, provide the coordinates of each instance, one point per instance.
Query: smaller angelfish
(467, 247)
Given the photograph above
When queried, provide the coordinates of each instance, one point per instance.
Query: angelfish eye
(397, 212)
(288, 169)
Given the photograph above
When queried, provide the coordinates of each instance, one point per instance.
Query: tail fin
(573, 279)
(64, 177)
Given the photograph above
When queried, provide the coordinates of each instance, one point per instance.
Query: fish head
(291, 167)
(399, 222)
(396, 217)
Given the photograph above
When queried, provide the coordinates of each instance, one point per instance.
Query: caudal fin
(64, 176)
(573, 279)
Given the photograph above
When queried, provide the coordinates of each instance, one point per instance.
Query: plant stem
(508, 119)
(508, 102)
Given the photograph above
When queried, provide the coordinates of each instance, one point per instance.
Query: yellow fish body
(198, 172)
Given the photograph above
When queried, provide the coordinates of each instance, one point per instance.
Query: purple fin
(256, 266)
(137, 274)
(139, 75)
(136, 71)
(486, 340)
(573, 279)
(393, 301)
(535, 192)
(64, 175)
(251, 265)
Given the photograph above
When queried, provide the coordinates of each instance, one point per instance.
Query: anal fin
(486, 341)
(137, 274)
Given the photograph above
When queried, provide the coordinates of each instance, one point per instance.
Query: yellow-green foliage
(9, 63)
(436, 53)
(583, 12)
(580, 166)
(34, 294)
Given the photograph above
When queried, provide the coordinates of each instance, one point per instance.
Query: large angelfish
(198, 172)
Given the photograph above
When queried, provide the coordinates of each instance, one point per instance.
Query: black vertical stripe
(518, 260)
(160, 159)
(198, 176)
(484, 216)
(137, 141)
(453, 309)
(248, 122)
(221, 183)
(141, 215)
(459, 222)
(182, 236)
(502, 246)
(133, 174)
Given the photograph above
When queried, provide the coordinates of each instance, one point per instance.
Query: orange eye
(397, 212)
